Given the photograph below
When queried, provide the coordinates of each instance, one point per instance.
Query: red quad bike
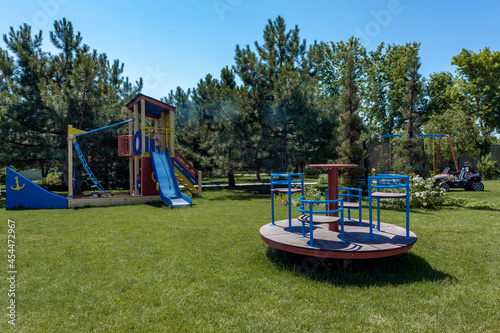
(468, 178)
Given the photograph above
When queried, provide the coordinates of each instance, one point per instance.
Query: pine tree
(281, 107)
(43, 93)
(351, 58)
(410, 155)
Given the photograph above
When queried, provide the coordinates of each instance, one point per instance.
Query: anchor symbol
(18, 188)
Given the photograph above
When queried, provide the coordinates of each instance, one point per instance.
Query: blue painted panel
(23, 193)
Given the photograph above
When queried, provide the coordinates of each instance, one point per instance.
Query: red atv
(468, 178)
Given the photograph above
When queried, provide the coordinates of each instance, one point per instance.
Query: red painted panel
(148, 185)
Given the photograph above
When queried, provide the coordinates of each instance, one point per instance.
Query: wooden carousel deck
(388, 242)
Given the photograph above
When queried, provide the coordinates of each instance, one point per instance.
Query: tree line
(283, 104)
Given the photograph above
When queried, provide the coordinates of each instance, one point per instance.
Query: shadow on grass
(240, 193)
(401, 269)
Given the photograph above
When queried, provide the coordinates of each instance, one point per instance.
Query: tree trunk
(283, 154)
(78, 180)
(257, 173)
(44, 169)
(366, 162)
(230, 178)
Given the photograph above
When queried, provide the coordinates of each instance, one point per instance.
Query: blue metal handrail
(388, 181)
(288, 181)
(347, 198)
(310, 211)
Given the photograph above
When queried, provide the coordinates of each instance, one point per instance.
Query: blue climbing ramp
(23, 193)
(169, 190)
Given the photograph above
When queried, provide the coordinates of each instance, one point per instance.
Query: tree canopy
(282, 105)
(42, 93)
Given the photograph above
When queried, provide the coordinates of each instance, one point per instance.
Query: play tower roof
(154, 107)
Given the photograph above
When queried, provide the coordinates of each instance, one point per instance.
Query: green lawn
(150, 268)
(252, 178)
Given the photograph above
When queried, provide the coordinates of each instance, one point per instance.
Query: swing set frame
(435, 158)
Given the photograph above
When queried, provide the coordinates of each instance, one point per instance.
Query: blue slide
(169, 190)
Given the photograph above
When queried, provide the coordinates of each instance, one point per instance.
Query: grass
(252, 178)
(150, 268)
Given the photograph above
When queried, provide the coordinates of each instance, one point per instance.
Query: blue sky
(176, 43)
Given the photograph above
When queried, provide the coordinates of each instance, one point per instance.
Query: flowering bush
(310, 193)
(323, 178)
(424, 193)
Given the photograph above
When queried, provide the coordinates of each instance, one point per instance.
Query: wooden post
(143, 126)
(200, 183)
(156, 131)
(70, 164)
(136, 157)
(171, 140)
(130, 158)
(164, 135)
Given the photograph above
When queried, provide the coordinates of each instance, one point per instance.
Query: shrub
(424, 193)
(53, 182)
(310, 193)
(3, 172)
(323, 178)
(487, 167)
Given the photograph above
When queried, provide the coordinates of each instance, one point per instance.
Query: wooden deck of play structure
(388, 242)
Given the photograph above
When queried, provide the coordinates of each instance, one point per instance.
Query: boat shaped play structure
(156, 168)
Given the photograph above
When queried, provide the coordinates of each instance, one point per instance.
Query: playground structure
(356, 239)
(155, 166)
(435, 157)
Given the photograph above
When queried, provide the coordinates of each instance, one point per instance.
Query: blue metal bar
(370, 207)
(311, 213)
(87, 168)
(378, 205)
(272, 201)
(105, 127)
(378, 215)
(432, 135)
(382, 181)
(370, 219)
(303, 224)
(288, 181)
(389, 135)
(311, 226)
(342, 239)
(289, 203)
(407, 207)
